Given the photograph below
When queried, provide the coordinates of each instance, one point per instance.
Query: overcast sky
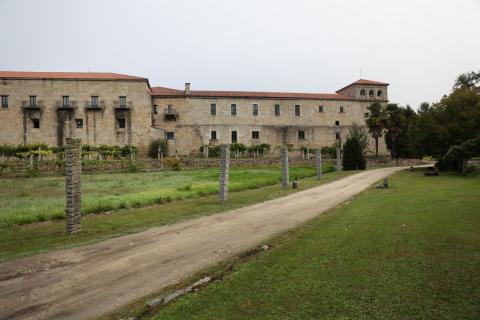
(418, 46)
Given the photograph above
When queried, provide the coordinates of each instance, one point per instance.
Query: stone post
(284, 155)
(161, 160)
(73, 173)
(158, 153)
(224, 170)
(318, 162)
(339, 161)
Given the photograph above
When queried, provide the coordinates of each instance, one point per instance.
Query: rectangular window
(33, 101)
(155, 109)
(297, 110)
(301, 135)
(255, 109)
(66, 101)
(234, 137)
(123, 101)
(337, 123)
(213, 135)
(4, 101)
(337, 136)
(213, 109)
(36, 123)
(320, 109)
(121, 123)
(94, 101)
(170, 135)
(79, 123)
(233, 109)
(277, 110)
(342, 110)
(255, 134)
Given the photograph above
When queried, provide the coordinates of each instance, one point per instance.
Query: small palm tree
(394, 121)
(375, 122)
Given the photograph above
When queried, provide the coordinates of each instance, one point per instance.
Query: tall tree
(394, 122)
(375, 122)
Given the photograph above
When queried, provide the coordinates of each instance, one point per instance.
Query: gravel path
(91, 280)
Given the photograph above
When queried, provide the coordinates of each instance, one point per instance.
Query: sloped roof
(68, 75)
(169, 92)
(364, 82)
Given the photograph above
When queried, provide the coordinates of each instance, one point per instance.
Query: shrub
(185, 188)
(240, 147)
(155, 145)
(174, 164)
(328, 167)
(353, 155)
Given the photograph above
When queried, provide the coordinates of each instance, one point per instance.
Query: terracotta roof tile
(67, 75)
(162, 91)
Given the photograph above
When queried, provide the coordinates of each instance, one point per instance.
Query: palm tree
(375, 122)
(394, 121)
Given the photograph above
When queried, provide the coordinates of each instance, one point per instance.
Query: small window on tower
(255, 109)
(321, 109)
(342, 109)
(155, 109)
(213, 109)
(297, 110)
(79, 123)
(362, 92)
(277, 110)
(36, 123)
(370, 93)
(233, 109)
(4, 102)
(379, 93)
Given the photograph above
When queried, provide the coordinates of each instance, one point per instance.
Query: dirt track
(88, 281)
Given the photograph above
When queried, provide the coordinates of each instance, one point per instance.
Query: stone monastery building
(117, 109)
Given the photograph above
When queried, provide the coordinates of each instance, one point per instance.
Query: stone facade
(49, 119)
(184, 117)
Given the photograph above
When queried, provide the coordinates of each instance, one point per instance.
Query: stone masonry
(73, 162)
(224, 172)
(284, 157)
(318, 163)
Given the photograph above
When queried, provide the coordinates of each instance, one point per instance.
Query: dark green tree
(353, 158)
(374, 120)
(394, 122)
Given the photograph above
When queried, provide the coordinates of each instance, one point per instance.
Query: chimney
(187, 87)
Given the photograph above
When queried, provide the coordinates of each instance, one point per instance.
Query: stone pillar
(284, 155)
(224, 170)
(318, 162)
(339, 161)
(73, 173)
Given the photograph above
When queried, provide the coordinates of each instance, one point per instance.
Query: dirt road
(88, 281)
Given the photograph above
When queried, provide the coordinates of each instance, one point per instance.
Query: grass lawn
(24, 201)
(19, 240)
(408, 252)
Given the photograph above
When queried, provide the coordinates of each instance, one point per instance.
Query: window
(379, 93)
(370, 93)
(234, 137)
(256, 134)
(170, 135)
(94, 100)
(65, 101)
(213, 109)
(320, 109)
(4, 101)
(342, 109)
(79, 123)
(121, 123)
(155, 109)
(255, 109)
(301, 135)
(213, 135)
(233, 109)
(337, 123)
(33, 101)
(297, 110)
(362, 92)
(337, 136)
(277, 110)
(122, 101)
(36, 123)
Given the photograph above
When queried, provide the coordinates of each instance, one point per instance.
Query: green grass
(24, 201)
(21, 240)
(408, 252)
